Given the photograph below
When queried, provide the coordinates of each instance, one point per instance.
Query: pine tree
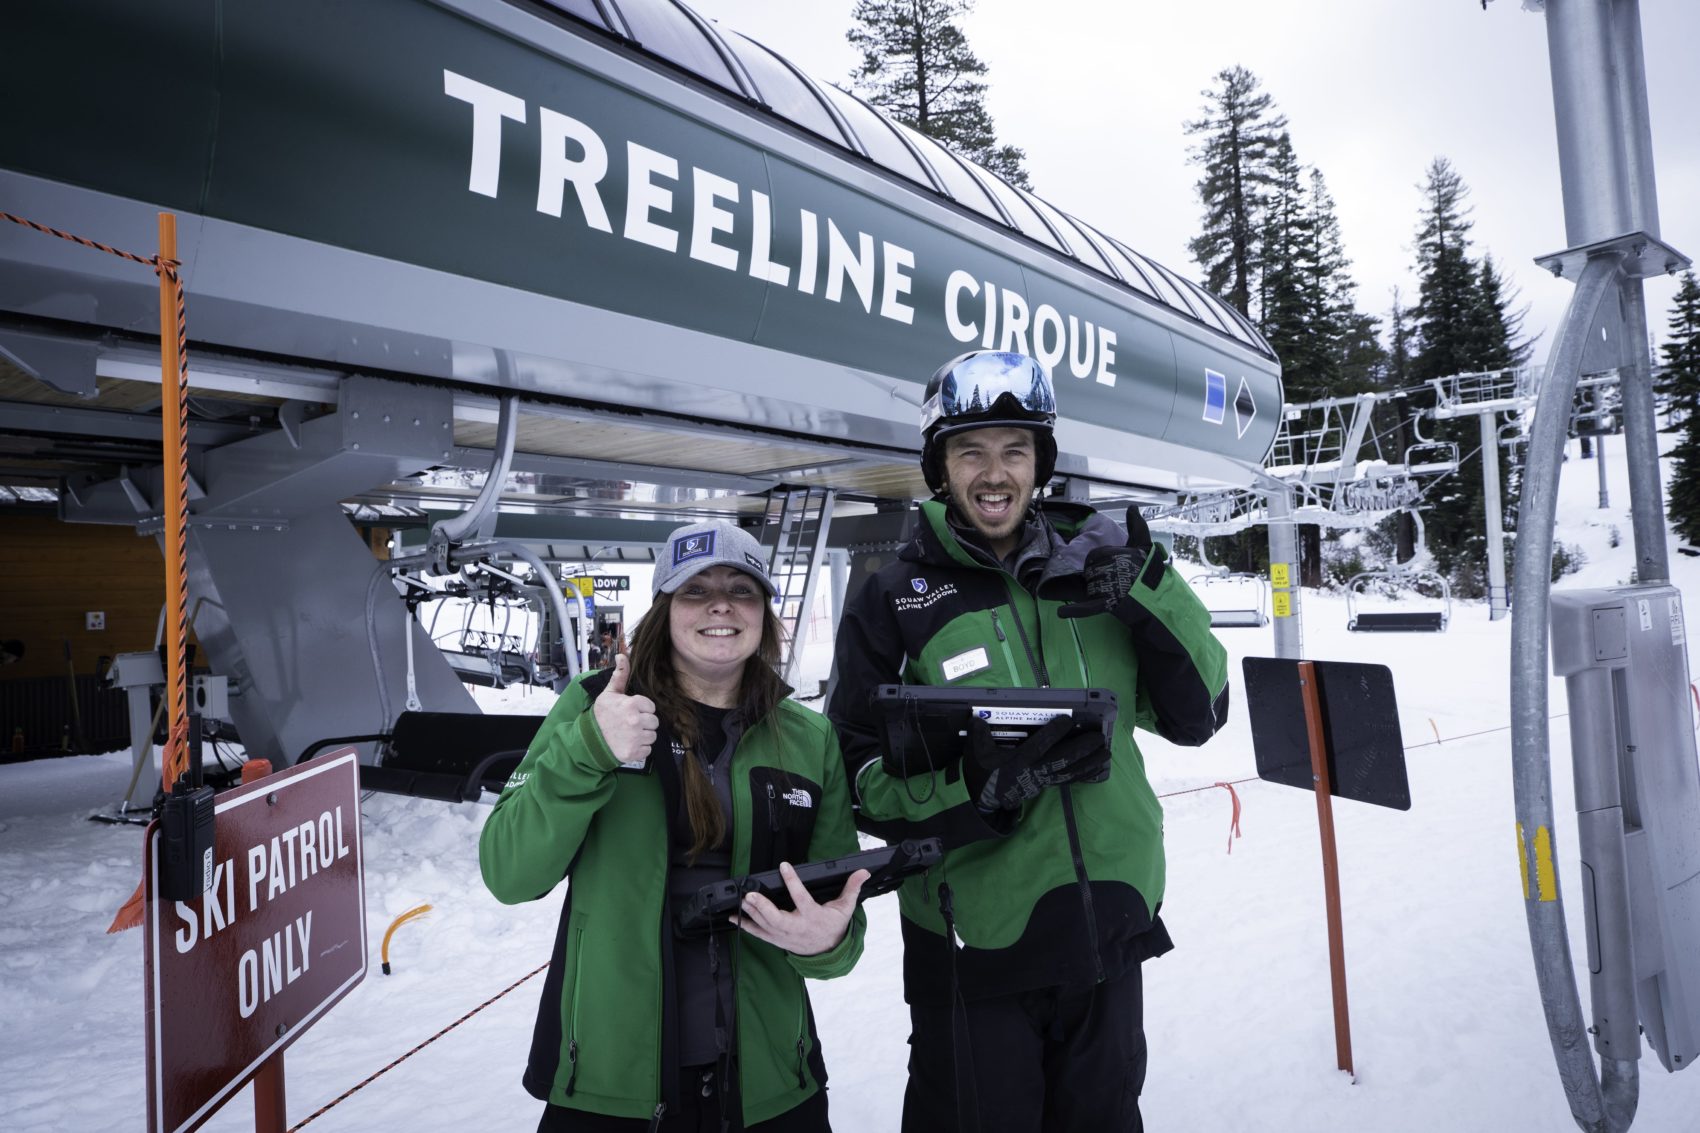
(1462, 327)
(1680, 381)
(1354, 355)
(1240, 132)
(917, 67)
(1499, 327)
(1448, 305)
(1397, 375)
(1288, 258)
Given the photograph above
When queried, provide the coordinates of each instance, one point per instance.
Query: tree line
(1269, 242)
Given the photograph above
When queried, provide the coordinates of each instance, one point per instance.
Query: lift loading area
(577, 273)
(601, 264)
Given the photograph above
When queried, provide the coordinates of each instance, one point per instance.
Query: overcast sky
(1096, 92)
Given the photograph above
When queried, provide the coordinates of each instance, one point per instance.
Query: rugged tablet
(887, 866)
(925, 729)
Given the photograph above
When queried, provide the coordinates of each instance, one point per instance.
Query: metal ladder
(799, 518)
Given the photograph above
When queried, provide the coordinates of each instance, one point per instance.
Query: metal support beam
(1597, 1107)
(1498, 606)
(1284, 552)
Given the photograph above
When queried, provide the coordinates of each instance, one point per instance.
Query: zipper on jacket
(802, 1036)
(772, 814)
(1003, 642)
(655, 1118)
(1036, 663)
(578, 993)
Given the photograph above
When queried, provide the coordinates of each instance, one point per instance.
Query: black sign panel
(1360, 727)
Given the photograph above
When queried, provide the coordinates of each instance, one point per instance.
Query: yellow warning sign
(1280, 575)
(1283, 604)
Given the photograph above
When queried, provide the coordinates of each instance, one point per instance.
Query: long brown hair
(654, 674)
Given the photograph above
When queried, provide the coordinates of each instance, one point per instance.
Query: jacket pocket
(575, 993)
(782, 817)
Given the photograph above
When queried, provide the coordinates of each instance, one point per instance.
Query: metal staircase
(798, 520)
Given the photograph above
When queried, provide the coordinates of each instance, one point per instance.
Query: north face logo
(798, 797)
(920, 585)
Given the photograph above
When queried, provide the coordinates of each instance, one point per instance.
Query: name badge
(963, 664)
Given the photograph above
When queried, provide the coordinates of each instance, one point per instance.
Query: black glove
(1002, 778)
(1111, 572)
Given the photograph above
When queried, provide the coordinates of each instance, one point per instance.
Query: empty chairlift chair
(1428, 612)
(1235, 599)
(451, 756)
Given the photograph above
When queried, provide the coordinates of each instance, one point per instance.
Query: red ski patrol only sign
(236, 975)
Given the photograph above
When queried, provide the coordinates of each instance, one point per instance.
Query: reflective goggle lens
(973, 386)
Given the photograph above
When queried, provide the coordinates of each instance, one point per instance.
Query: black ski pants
(1052, 1060)
(699, 1111)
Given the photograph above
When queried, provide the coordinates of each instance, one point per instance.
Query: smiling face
(715, 622)
(989, 473)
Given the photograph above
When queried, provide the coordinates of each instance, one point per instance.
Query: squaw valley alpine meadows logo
(693, 547)
(925, 595)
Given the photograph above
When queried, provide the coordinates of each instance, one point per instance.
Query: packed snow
(1446, 1023)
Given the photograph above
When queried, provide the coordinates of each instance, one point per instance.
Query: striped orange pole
(174, 494)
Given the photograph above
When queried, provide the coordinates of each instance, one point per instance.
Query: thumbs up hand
(628, 722)
(1111, 572)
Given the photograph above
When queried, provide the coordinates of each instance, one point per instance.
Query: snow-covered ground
(1447, 1028)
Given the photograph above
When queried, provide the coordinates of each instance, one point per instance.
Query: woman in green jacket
(681, 766)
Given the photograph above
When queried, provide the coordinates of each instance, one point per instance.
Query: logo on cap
(760, 567)
(693, 547)
(920, 585)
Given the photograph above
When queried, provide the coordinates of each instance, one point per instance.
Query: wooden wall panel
(54, 573)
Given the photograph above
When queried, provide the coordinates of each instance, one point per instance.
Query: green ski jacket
(604, 1039)
(1068, 893)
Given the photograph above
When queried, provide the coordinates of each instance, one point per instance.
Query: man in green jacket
(1022, 953)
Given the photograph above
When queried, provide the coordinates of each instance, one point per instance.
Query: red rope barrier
(351, 1091)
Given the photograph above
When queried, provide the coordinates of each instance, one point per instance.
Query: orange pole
(1330, 863)
(174, 496)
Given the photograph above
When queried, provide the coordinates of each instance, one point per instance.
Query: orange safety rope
(350, 1092)
(174, 368)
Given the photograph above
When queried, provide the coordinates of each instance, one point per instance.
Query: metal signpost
(237, 975)
(1330, 727)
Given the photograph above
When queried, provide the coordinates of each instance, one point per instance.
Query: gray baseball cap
(692, 550)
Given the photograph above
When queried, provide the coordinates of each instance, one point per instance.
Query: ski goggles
(969, 388)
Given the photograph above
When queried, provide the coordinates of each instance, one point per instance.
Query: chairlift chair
(453, 757)
(1428, 457)
(1247, 594)
(1241, 600)
(1435, 609)
(1433, 618)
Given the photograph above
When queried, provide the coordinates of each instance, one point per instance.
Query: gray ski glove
(1111, 572)
(1002, 778)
